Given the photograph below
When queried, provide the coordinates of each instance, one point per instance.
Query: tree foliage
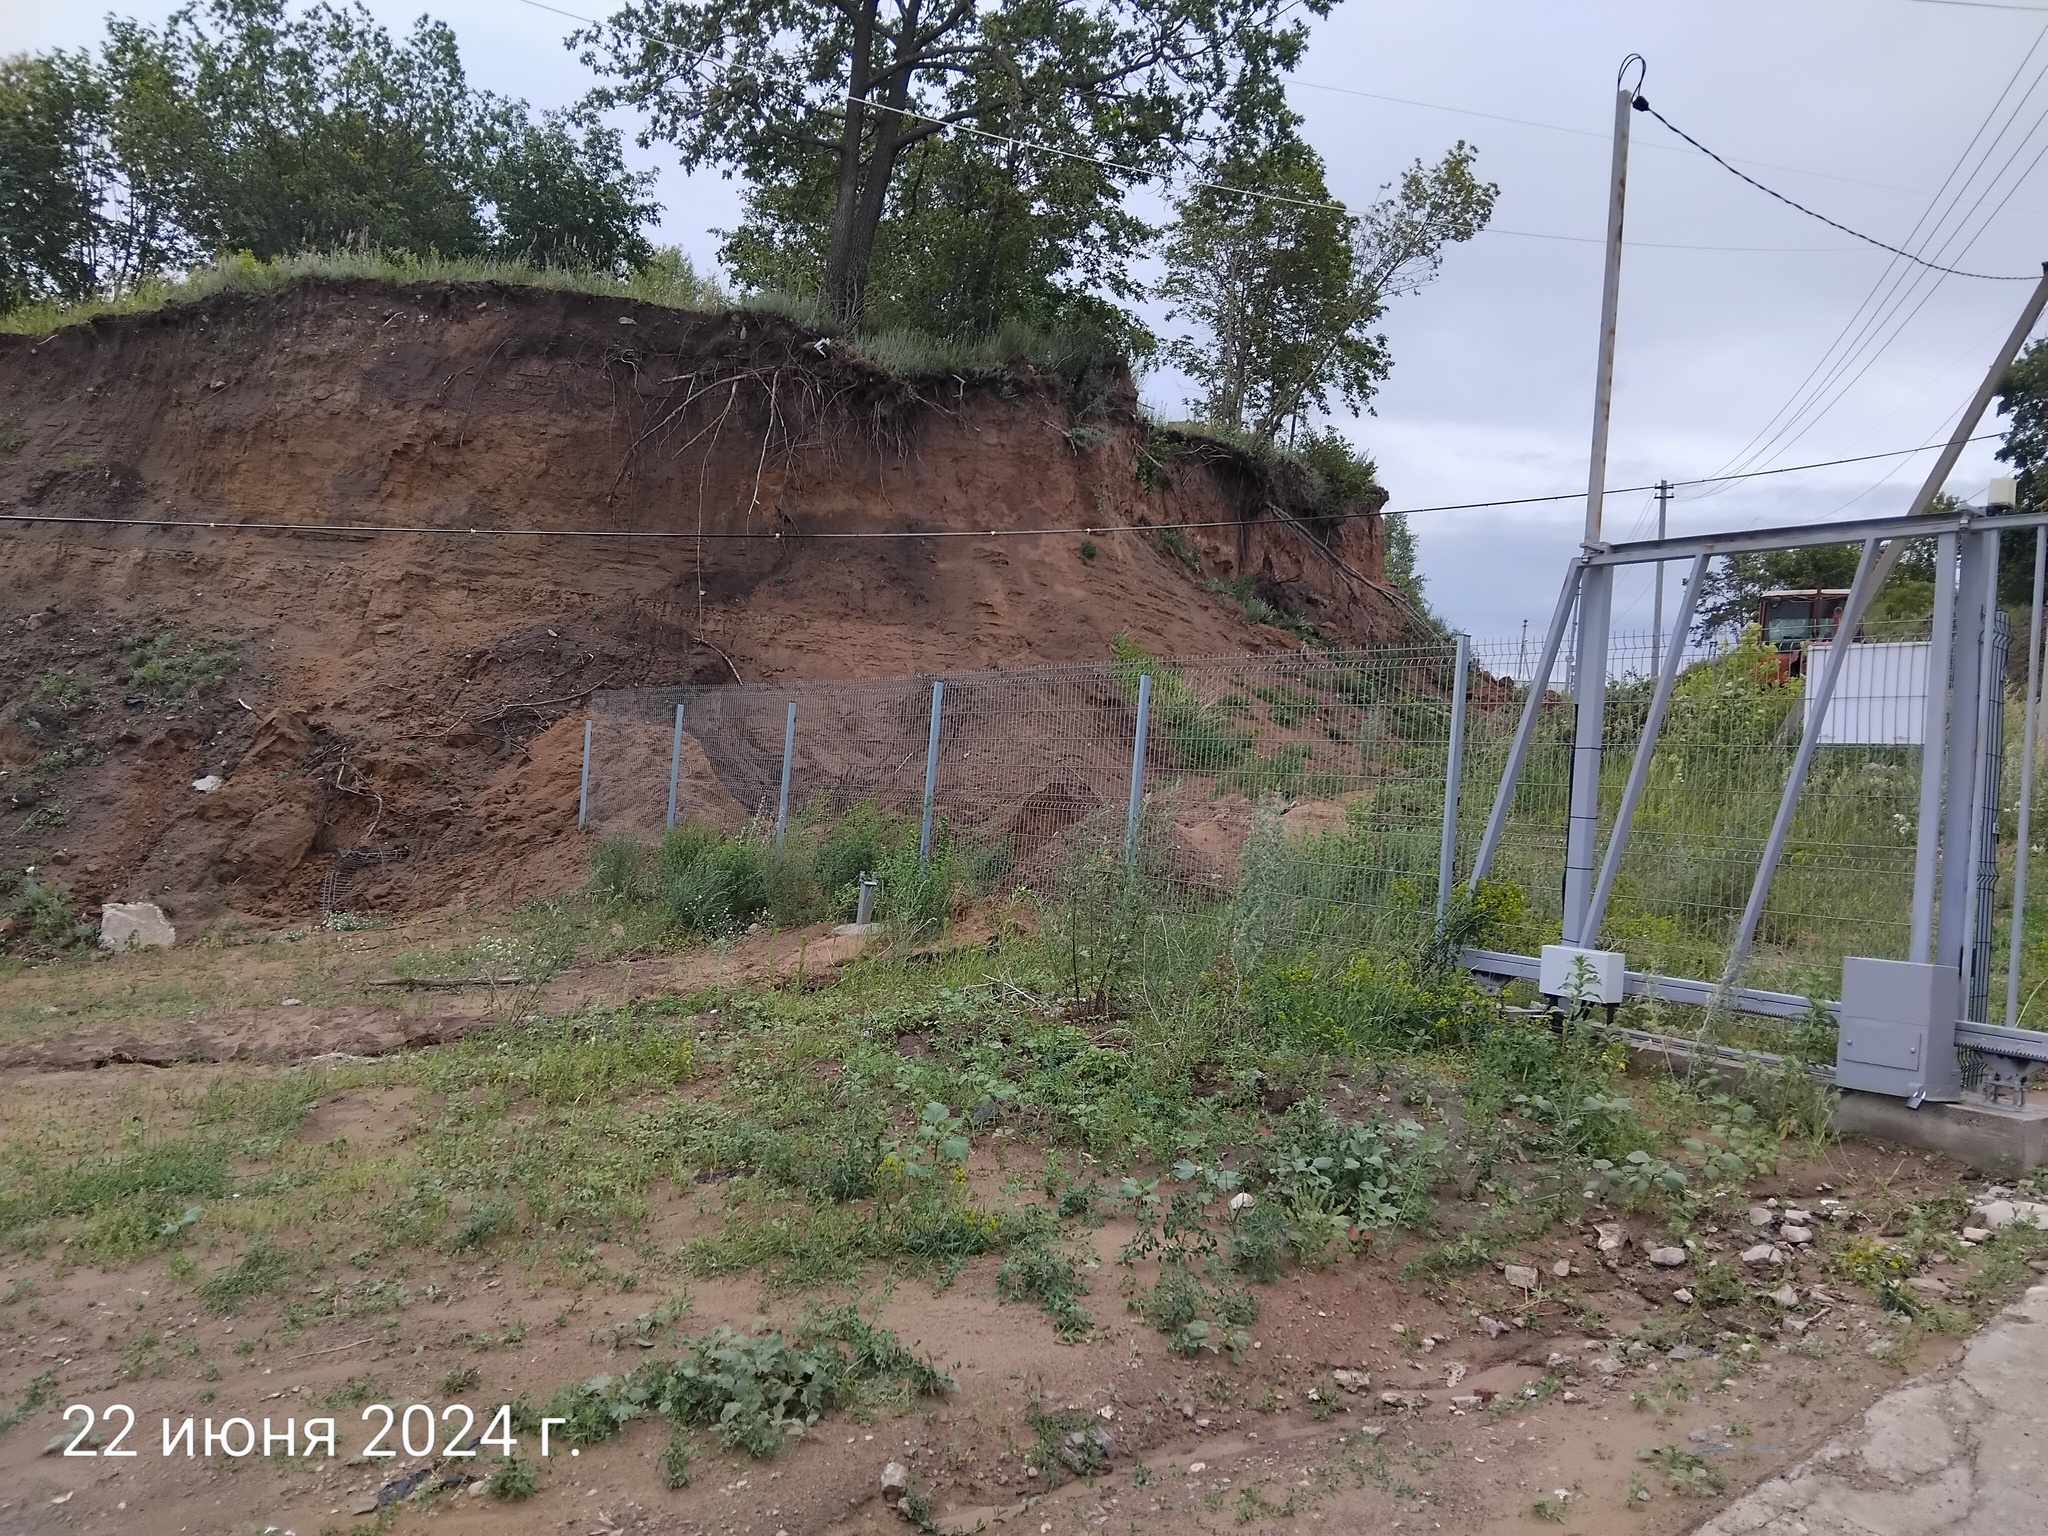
(238, 125)
(2024, 397)
(1285, 288)
(50, 156)
(826, 107)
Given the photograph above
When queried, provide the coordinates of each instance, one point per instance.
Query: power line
(1862, 330)
(214, 525)
(1643, 105)
(1604, 136)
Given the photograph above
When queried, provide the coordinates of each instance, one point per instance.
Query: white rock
(1929, 1285)
(1352, 1381)
(1682, 1296)
(1494, 1326)
(1612, 1234)
(1667, 1258)
(209, 784)
(1762, 1253)
(1522, 1275)
(1976, 1234)
(1998, 1214)
(1802, 1218)
(1762, 1216)
(135, 925)
(1241, 1201)
(1562, 1268)
(1468, 1402)
(1785, 1296)
(1794, 1233)
(895, 1479)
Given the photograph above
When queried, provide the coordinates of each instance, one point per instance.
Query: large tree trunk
(863, 188)
(844, 289)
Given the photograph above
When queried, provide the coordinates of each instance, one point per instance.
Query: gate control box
(1898, 1030)
(1583, 975)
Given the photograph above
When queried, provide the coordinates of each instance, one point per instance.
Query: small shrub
(1042, 1273)
(460, 1380)
(486, 1220)
(756, 1391)
(722, 888)
(677, 1458)
(1088, 550)
(1689, 1474)
(167, 669)
(42, 917)
(260, 1270)
(617, 868)
(513, 1481)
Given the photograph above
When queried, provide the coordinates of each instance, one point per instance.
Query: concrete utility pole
(1596, 589)
(1657, 601)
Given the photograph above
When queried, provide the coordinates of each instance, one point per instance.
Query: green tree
(820, 105)
(53, 176)
(1284, 288)
(242, 125)
(2024, 397)
(302, 132)
(559, 193)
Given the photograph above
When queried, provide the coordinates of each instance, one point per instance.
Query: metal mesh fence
(1339, 761)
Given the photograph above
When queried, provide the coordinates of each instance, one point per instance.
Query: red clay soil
(418, 692)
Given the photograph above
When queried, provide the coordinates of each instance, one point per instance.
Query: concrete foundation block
(1994, 1138)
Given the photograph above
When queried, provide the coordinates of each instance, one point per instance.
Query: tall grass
(672, 283)
(712, 883)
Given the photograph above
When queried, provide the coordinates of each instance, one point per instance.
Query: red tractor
(1791, 619)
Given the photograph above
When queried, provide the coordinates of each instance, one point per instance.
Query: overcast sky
(1863, 109)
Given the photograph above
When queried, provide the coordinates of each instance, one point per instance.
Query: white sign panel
(1880, 699)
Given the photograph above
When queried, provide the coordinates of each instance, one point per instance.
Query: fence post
(788, 751)
(1137, 772)
(1454, 768)
(1589, 737)
(2025, 828)
(1933, 758)
(1539, 681)
(583, 794)
(1976, 596)
(675, 765)
(931, 775)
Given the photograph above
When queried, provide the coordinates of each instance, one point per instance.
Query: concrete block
(1604, 977)
(1994, 1138)
(135, 925)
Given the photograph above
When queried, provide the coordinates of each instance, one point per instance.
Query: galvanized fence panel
(1340, 758)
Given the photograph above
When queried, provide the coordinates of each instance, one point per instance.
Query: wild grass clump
(668, 280)
(756, 1391)
(713, 883)
(40, 917)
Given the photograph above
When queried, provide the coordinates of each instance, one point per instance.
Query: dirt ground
(1575, 1394)
(1212, 1445)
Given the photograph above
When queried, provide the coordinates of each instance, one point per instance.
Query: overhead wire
(1643, 105)
(1806, 403)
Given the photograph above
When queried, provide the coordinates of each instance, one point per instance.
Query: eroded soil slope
(416, 690)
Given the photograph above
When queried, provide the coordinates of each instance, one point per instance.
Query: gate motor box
(1898, 1030)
